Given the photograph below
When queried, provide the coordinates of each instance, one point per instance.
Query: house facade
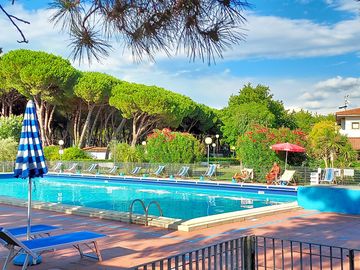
(349, 122)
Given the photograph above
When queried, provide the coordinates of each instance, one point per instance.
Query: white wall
(346, 126)
(97, 155)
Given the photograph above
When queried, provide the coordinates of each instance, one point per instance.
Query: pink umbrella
(287, 147)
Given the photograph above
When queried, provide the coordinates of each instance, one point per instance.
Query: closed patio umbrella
(288, 147)
(30, 161)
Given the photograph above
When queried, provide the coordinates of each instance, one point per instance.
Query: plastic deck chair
(35, 247)
(112, 170)
(329, 176)
(57, 167)
(136, 171)
(159, 170)
(183, 172)
(72, 167)
(286, 178)
(210, 171)
(92, 168)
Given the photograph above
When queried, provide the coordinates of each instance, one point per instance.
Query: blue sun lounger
(35, 247)
(329, 176)
(136, 171)
(183, 172)
(210, 171)
(35, 230)
(159, 170)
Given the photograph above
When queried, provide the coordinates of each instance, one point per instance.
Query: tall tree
(149, 107)
(94, 89)
(46, 78)
(328, 144)
(253, 105)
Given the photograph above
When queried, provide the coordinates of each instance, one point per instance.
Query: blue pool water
(176, 201)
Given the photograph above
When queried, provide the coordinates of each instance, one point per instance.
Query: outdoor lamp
(61, 150)
(214, 147)
(143, 143)
(208, 141)
(217, 136)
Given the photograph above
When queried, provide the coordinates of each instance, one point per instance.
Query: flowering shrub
(165, 146)
(124, 152)
(254, 147)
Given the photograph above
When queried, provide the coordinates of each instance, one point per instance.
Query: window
(355, 125)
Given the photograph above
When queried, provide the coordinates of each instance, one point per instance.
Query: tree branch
(13, 20)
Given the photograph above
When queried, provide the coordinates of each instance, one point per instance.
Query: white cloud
(275, 37)
(268, 37)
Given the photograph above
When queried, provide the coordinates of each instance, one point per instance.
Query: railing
(261, 253)
(145, 208)
(223, 172)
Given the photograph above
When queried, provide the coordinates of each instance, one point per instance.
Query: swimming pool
(180, 200)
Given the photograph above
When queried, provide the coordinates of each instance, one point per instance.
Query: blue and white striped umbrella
(30, 161)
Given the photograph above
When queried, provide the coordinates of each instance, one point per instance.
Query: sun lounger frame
(16, 246)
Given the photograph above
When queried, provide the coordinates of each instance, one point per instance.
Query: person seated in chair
(243, 175)
(273, 174)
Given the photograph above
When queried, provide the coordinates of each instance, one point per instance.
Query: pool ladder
(146, 209)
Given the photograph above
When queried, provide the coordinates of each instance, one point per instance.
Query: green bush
(8, 149)
(74, 153)
(123, 152)
(52, 152)
(10, 127)
(254, 148)
(165, 146)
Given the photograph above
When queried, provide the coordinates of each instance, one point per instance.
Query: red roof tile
(355, 111)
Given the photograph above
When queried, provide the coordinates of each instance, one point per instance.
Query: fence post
(351, 259)
(248, 252)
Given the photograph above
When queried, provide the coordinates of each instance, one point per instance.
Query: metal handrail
(131, 208)
(147, 210)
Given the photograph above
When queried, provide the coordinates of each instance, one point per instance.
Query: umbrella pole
(29, 211)
(286, 156)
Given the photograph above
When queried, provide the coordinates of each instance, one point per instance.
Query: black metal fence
(223, 171)
(260, 253)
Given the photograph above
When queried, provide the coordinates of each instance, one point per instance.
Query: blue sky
(306, 51)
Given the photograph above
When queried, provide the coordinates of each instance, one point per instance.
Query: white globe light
(208, 140)
(217, 136)
(61, 142)
(214, 144)
(143, 143)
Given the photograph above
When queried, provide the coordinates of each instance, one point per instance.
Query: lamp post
(214, 147)
(208, 141)
(233, 150)
(61, 152)
(217, 136)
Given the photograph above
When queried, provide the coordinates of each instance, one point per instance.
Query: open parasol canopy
(288, 147)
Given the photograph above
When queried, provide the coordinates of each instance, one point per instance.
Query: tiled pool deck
(130, 245)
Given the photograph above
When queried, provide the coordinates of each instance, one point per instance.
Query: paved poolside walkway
(130, 245)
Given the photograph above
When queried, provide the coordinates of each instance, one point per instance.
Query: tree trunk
(90, 135)
(86, 126)
(118, 129)
(40, 109)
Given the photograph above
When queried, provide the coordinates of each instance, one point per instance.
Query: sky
(306, 51)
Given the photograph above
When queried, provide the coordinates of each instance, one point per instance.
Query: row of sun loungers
(182, 173)
(41, 242)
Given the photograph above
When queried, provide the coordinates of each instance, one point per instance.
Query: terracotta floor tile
(130, 245)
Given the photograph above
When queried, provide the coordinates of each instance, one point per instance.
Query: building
(349, 122)
(96, 152)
